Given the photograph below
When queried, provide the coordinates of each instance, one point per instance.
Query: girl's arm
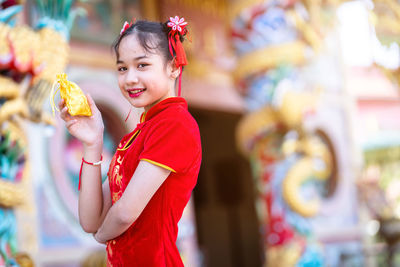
(144, 183)
(93, 200)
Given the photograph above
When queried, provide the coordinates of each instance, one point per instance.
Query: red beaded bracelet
(90, 163)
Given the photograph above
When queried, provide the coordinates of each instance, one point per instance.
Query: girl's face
(143, 77)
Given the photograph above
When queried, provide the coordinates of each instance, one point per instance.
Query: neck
(147, 108)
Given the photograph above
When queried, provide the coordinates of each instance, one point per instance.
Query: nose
(131, 77)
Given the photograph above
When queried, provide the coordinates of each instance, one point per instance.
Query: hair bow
(124, 27)
(177, 25)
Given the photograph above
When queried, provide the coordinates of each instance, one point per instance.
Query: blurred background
(298, 107)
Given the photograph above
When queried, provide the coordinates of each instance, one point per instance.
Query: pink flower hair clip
(177, 24)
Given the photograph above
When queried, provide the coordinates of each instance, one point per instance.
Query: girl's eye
(120, 69)
(142, 65)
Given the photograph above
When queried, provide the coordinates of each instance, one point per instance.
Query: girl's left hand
(98, 239)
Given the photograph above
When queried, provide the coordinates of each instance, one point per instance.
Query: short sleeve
(172, 145)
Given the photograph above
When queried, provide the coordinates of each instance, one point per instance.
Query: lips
(135, 92)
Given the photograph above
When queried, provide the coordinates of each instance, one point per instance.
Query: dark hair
(151, 35)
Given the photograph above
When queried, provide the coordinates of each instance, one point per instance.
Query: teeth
(135, 91)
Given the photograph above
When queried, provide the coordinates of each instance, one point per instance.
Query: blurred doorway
(227, 226)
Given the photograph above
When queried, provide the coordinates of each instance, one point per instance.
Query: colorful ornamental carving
(293, 167)
(29, 61)
(386, 21)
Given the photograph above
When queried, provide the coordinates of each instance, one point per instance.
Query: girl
(155, 167)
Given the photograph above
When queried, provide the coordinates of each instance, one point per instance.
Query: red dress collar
(164, 104)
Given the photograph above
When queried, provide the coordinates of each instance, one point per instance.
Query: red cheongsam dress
(168, 137)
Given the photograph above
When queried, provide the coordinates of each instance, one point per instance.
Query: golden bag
(73, 96)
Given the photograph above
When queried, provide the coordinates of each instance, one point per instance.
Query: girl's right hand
(89, 130)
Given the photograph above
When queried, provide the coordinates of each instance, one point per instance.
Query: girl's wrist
(94, 145)
(92, 152)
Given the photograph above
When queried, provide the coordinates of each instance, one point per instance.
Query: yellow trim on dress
(134, 135)
(160, 165)
(130, 141)
(143, 118)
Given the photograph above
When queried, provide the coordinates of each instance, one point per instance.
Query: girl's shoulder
(177, 115)
(175, 121)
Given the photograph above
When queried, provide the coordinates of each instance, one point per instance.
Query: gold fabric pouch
(73, 96)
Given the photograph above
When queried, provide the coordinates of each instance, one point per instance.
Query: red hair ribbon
(126, 26)
(177, 25)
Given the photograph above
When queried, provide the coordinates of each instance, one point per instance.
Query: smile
(136, 92)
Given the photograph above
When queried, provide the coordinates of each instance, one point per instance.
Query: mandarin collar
(164, 104)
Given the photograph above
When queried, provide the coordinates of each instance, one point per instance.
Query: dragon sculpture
(30, 58)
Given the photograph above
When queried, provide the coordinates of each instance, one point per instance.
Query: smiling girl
(155, 167)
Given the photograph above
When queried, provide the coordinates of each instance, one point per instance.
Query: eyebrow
(135, 59)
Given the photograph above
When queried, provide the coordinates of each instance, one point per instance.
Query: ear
(173, 70)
